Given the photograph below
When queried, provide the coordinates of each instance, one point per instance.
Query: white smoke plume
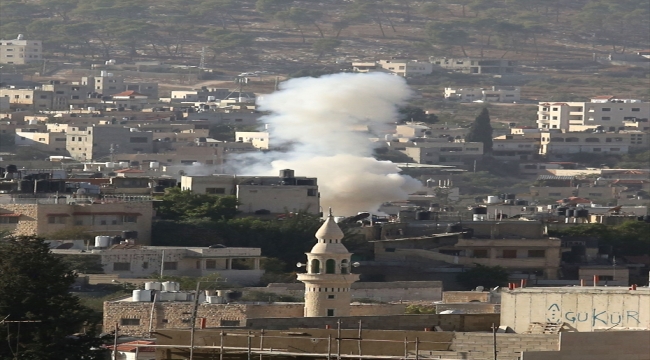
(318, 119)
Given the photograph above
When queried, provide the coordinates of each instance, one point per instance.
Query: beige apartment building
(259, 139)
(560, 144)
(20, 51)
(406, 68)
(440, 151)
(493, 94)
(107, 84)
(38, 216)
(475, 65)
(608, 112)
(516, 147)
(30, 99)
(261, 194)
(50, 142)
(95, 142)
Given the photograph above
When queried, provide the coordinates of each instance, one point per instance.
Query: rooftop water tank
(170, 286)
(103, 241)
(153, 285)
(492, 199)
(154, 165)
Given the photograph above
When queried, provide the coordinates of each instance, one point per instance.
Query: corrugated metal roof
(555, 177)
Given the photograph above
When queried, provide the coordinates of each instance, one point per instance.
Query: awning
(10, 215)
(59, 214)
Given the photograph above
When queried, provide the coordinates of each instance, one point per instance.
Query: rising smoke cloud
(318, 119)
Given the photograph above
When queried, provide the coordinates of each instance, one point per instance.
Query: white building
(259, 139)
(610, 112)
(20, 51)
(328, 278)
(261, 194)
(493, 94)
(406, 68)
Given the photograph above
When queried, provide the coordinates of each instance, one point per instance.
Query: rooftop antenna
(202, 63)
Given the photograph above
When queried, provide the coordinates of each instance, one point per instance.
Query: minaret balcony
(328, 278)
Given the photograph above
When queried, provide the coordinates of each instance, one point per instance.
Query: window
(312, 192)
(228, 322)
(330, 266)
(482, 254)
(636, 109)
(315, 267)
(509, 254)
(130, 219)
(345, 266)
(330, 312)
(606, 277)
(331, 297)
(138, 140)
(536, 253)
(121, 266)
(145, 265)
(211, 264)
(607, 109)
(215, 190)
(597, 149)
(606, 118)
(130, 322)
(170, 265)
(9, 220)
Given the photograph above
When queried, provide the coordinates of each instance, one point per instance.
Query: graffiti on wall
(593, 316)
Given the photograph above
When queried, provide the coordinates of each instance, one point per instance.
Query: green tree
(414, 113)
(447, 35)
(481, 131)
(325, 46)
(481, 275)
(180, 204)
(34, 286)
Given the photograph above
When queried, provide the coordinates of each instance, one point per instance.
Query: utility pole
(115, 342)
(494, 340)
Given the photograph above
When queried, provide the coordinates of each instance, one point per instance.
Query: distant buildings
(94, 142)
(493, 94)
(602, 112)
(20, 51)
(400, 67)
(475, 65)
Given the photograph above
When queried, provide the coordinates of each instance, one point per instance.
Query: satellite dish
(299, 265)
(356, 264)
(479, 288)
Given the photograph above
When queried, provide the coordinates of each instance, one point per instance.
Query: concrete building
(515, 147)
(559, 145)
(406, 68)
(440, 151)
(608, 112)
(30, 99)
(259, 139)
(493, 94)
(108, 85)
(261, 194)
(95, 142)
(581, 308)
(5, 104)
(50, 142)
(475, 65)
(328, 278)
(42, 216)
(66, 94)
(20, 51)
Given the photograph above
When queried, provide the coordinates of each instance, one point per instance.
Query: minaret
(328, 278)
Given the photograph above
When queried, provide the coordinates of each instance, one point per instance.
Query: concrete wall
(378, 291)
(448, 322)
(465, 296)
(469, 308)
(597, 346)
(469, 345)
(581, 308)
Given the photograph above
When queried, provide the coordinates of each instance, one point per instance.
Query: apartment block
(42, 216)
(107, 84)
(560, 144)
(50, 142)
(406, 68)
(259, 139)
(602, 112)
(30, 99)
(493, 94)
(261, 194)
(20, 51)
(516, 147)
(440, 152)
(475, 65)
(94, 142)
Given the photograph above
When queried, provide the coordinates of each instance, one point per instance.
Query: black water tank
(511, 196)
(12, 168)
(287, 174)
(159, 188)
(26, 186)
(520, 202)
(116, 240)
(646, 218)
(582, 213)
(41, 186)
(481, 210)
(509, 202)
(451, 228)
(571, 213)
(561, 211)
(130, 234)
(423, 215)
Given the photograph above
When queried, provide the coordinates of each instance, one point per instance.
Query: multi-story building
(43, 216)
(66, 94)
(261, 194)
(259, 139)
(107, 84)
(51, 142)
(476, 65)
(493, 94)
(94, 142)
(30, 99)
(440, 151)
(560, 144)
(401, 67)
(516, 147)
(602, 112)
(20, 51)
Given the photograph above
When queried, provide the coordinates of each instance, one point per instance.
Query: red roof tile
(128, 93)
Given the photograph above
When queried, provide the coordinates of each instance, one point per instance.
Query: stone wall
(597, 346)
(465, 296)
(470, 308)
(471, 345)
(378, 291)
(170, 315)
(450, 322)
